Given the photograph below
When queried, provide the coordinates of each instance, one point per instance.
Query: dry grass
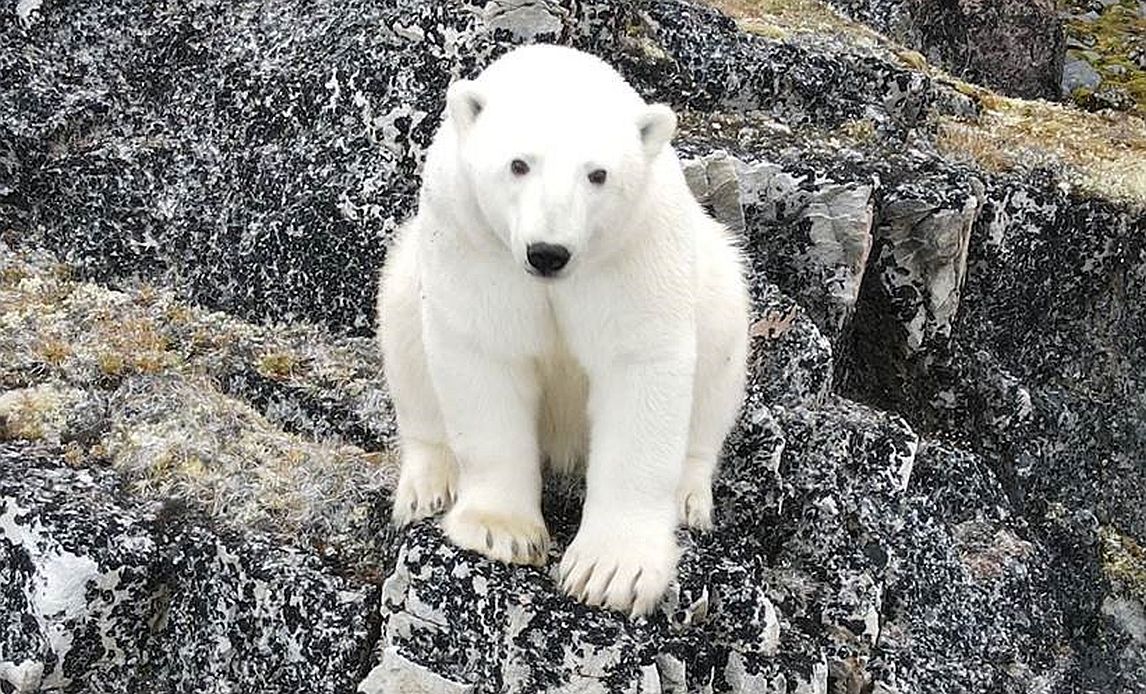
(53, 351)
(141, 373)
(780, 18)
(1101, 152)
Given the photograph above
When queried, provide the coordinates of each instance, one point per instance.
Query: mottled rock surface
(1014, 46)
(937, 483)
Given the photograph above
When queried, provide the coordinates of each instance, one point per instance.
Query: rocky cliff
(937, 484)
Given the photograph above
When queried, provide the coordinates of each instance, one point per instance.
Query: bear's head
(558, 153)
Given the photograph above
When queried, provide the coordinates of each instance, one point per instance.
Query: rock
(1013, 46)
(729, 621)
(1077, 73)
(1114, 98)
(935, 483)
(837, 218)
(316, 156)
(395, 673)
(101, 592)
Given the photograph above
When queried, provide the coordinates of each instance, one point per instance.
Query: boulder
(1014, 46)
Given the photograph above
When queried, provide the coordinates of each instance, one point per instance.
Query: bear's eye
(597, 177)
(518, 167)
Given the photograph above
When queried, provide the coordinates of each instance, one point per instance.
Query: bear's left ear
(464, 103)
(657, 123)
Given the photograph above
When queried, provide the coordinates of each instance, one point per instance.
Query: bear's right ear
(464, 102)
(656, 125)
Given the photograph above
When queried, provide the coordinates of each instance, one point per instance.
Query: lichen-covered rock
(761, 602)
(104, 592)
(300, 159)
(195, 500)
(1015, 46)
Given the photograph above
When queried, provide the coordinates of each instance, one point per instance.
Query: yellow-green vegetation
(1113, 40)
(20, 417)
(110, 363)
(36, 412)
(861, 130)
(53, 351)
(139, 344)
(1100, 152)
(277, 365)
(11, 276)
(1124, 562)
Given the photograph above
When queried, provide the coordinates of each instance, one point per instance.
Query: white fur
(631, 361)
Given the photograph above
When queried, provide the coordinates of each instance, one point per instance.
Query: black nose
(547, 258)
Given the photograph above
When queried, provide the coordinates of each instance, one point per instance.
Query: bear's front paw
(427, 483)
(506, 537)
(621, 566)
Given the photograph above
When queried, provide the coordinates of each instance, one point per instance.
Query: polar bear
(561, 297)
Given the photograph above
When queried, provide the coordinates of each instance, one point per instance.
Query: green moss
(1113, 38)
(277, 365)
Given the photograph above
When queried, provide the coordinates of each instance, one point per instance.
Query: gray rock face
(937, 483)
(103, 593)
(1013, 46)
(301, 161)
(1077, 73)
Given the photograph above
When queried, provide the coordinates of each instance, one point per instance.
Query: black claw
(413, 506)
(609, 580)
(585, 578)
(488, 540)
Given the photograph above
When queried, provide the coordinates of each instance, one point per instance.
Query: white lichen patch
(24, 677)
(57, 591)
(396, 673)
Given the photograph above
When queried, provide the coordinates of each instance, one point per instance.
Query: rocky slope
(937, 484)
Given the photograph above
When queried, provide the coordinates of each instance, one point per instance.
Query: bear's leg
(563, 426)
(717, 394)
(490, 410)
(427, 480)
(625, 551)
